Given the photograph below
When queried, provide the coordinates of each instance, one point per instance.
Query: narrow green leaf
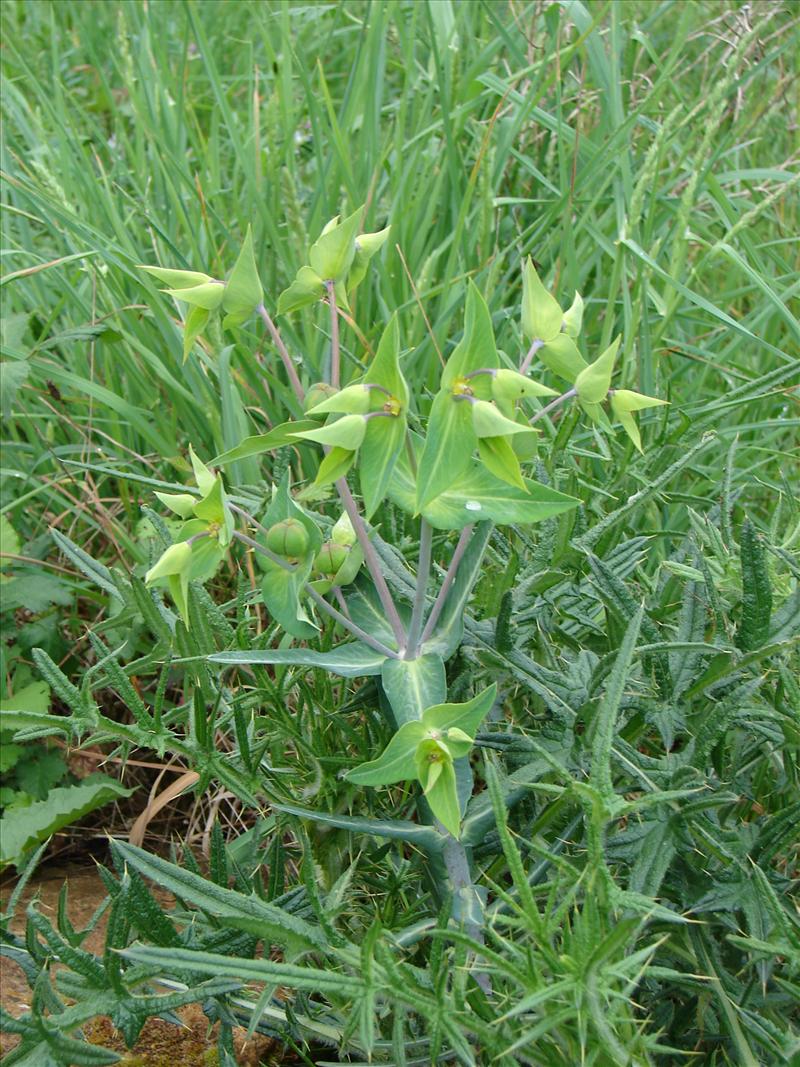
(423, 837)
(349, 660)
(605, 718)
(277, 437)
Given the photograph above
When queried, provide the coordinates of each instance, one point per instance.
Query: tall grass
(641, 152)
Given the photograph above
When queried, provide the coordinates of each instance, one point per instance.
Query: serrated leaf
(606, 715)
(64, 805)
(423, 837)
(35, 592)
(275, 924)
(42, 770)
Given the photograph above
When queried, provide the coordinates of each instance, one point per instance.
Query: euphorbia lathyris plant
(456, 464)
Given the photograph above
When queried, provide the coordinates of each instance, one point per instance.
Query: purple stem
(286, 359)
(449, 578)
(525, 364)
(553, 404)
(335, 353)
(320, 601)
(372, 562)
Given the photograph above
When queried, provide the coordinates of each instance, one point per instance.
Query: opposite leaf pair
(338, 257)
(372, 426)
(474, 410)
(425, 749)
(552, 331)
(239, 297)
(201, 540)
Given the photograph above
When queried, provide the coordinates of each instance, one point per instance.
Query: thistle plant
(456, 465)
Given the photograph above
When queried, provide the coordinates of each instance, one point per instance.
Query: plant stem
(423, 576)
(335, 351)
(372, 562)
(553, 404)
(449, 578)
(348, 624)
(525, 364)
(320, 601)
(246, 515)
(283, 352)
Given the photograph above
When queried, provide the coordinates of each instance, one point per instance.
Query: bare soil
(161, 1044)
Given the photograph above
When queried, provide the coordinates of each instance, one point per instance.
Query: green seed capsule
(288, 538)
(330, 558)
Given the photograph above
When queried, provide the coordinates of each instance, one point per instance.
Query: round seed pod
(330, 558)
(288, 538)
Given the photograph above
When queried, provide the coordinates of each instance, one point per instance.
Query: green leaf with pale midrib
(350, 660)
